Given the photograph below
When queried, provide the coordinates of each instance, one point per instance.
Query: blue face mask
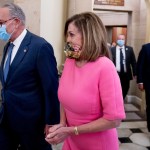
(4, 35)
(120, 42)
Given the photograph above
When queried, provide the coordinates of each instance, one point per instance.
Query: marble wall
(53, 16)
(32, 11)
(78, 6)
(148, 21)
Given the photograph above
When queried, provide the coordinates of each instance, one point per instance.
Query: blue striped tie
(7, 64)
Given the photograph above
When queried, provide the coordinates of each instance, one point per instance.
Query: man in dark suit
(29, 85)
(143, 76)
(125, 62)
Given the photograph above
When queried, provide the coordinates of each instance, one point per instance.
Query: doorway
(118, 30)
(114, 31)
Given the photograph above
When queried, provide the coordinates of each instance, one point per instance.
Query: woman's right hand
(58, 134)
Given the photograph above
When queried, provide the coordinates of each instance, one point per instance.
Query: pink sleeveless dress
(88, 93)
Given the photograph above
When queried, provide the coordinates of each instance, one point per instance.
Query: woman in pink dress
(89, 91)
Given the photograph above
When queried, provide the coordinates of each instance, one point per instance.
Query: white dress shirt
(118, 58)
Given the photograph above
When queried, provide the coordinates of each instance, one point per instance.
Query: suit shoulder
(146, 45)
(37, 39)
(113, 48)
(129, 47)
(39, 42)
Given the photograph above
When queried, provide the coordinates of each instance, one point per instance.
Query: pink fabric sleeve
(111, 92)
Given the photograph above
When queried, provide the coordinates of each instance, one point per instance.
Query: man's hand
(46, 129)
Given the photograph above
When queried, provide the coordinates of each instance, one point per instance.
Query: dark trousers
(10, 140)
(125, 83)
(147, 94)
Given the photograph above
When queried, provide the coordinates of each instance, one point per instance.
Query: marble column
(78, 6)
(52, 18)
(148, 21)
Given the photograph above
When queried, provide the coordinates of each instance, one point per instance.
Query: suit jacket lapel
(114, 54)
(23, 49)
(126, 53)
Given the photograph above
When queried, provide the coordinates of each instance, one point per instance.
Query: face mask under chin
(4, 35)
(70, 52)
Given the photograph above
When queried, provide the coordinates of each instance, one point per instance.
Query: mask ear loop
(13, 29)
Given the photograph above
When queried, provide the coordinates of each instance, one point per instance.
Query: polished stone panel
(137, 124)
(57, 147)
(132, 146)
(142, 138)
(136, 130)
(124, 132)
(130, 107)
(145, 130)
(125, 140)
(132, 116)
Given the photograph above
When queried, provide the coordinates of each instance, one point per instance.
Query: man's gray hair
(15, 12)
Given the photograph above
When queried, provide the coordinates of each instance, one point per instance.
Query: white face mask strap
(14, 28)
(10, 22)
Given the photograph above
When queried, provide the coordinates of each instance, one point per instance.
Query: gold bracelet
(76, 131)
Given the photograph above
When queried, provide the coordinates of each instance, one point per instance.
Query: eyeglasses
(3, 22)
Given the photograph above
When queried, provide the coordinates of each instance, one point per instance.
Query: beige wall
(77, 6)
(32, 11)
(148, 21)
(53, 16)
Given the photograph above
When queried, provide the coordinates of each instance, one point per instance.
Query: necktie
(121, 61)
(7, 64)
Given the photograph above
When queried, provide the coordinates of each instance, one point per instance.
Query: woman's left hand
(58, 135)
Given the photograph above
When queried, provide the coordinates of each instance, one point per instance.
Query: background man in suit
(29, 89)
(143, 76)
(125, 62)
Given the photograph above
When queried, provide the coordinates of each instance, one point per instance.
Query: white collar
(19, 39)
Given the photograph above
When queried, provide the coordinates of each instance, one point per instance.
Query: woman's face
(74, 37)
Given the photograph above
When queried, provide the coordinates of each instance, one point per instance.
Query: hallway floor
(132, 133)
